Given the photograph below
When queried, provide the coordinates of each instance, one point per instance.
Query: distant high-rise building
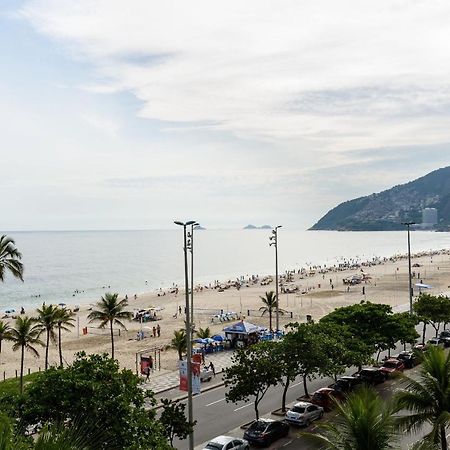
(429, 217)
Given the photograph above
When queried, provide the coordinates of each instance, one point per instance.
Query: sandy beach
(388, 283)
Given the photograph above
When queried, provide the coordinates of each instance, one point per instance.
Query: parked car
(303, 413)
(206, 374)
(325, 398)
(445, 341)
(227, 443)
(353, 381)
(341, 385)
(435, 342)
(409, 359)
(266, 431)
(392, 366)
(371, 375)
(420, 347)
(444, 334)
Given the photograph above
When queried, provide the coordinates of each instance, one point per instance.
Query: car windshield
(298, 409)
(319, 397)
(258, 426)
(214, 446)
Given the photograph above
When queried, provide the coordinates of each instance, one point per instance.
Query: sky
(129, 114)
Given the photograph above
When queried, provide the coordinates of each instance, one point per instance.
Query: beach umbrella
(62, 305)
(199, 341)
(218, 338)
(209, 341)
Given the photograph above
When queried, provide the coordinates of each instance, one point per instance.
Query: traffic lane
(216, 417)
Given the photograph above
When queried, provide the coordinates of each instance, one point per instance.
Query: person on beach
(154, 331)
(158, 330)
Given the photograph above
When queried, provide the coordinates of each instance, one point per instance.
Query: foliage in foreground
(364, 422)
(95, 391)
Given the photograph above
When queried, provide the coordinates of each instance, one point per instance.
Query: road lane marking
(217, 401)
(294, 385)
(242, 407)
(287, 443)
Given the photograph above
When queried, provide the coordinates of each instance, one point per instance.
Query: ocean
(58, 263)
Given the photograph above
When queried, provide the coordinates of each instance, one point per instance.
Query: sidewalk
(170, 380)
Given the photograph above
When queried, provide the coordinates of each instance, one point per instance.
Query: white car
(227, 443)
(303, 413)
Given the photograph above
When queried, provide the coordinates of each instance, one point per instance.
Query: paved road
(215, 416)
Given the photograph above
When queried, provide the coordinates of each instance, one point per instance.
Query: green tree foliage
(174, 421)
(309, 345)
(64, 321)
(10, 258)
(25, 336)
(47, 322)
(179, 342)
(252, 373)
(364, 422)
(5, 330)
(372, 324)
(95, 391)
(204, 333)
(428, 397)
(110, 310)
(432, 309)
(270, 305)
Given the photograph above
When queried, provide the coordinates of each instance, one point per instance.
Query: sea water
(59, 263)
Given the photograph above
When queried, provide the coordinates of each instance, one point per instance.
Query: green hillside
(388, 209)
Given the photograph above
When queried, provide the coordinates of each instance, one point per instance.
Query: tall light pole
(188, 331)
(408, 225)
(191, 248)
(274, 241)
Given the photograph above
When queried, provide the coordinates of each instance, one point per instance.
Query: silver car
(303, 413)
(227, 443)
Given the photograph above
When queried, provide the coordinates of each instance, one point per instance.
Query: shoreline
(323, 291)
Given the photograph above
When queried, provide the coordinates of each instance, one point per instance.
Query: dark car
(409, 359)
(345, 384)
(371, 375)
(444, 334)
(266, 431)
(326, 397)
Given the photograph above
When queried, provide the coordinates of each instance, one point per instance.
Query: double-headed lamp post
(274, 241)
(408, 225)
(191, 248)
(188, 330)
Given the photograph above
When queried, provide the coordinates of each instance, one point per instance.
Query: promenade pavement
(169, 380)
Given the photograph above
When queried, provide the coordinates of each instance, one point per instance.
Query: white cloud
(330, 75)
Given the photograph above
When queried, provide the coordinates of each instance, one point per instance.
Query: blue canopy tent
(242, 333)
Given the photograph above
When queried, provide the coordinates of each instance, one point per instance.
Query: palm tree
(179, 342)
(24, 336)
(4, 333)
(204, 333)
(10, 258)
(111, 310)
(364, 422)
(428, 397)
(47, 322)
(64, 319)
(270, 305)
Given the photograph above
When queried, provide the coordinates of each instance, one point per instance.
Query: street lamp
(188, 331)
(408, 225)
(191, 248)
(274, 241)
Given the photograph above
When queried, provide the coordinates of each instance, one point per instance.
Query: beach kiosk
(242, 334)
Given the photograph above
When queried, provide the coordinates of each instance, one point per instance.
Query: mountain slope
(388, 209)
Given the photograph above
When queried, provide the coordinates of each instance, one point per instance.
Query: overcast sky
(128, 114)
